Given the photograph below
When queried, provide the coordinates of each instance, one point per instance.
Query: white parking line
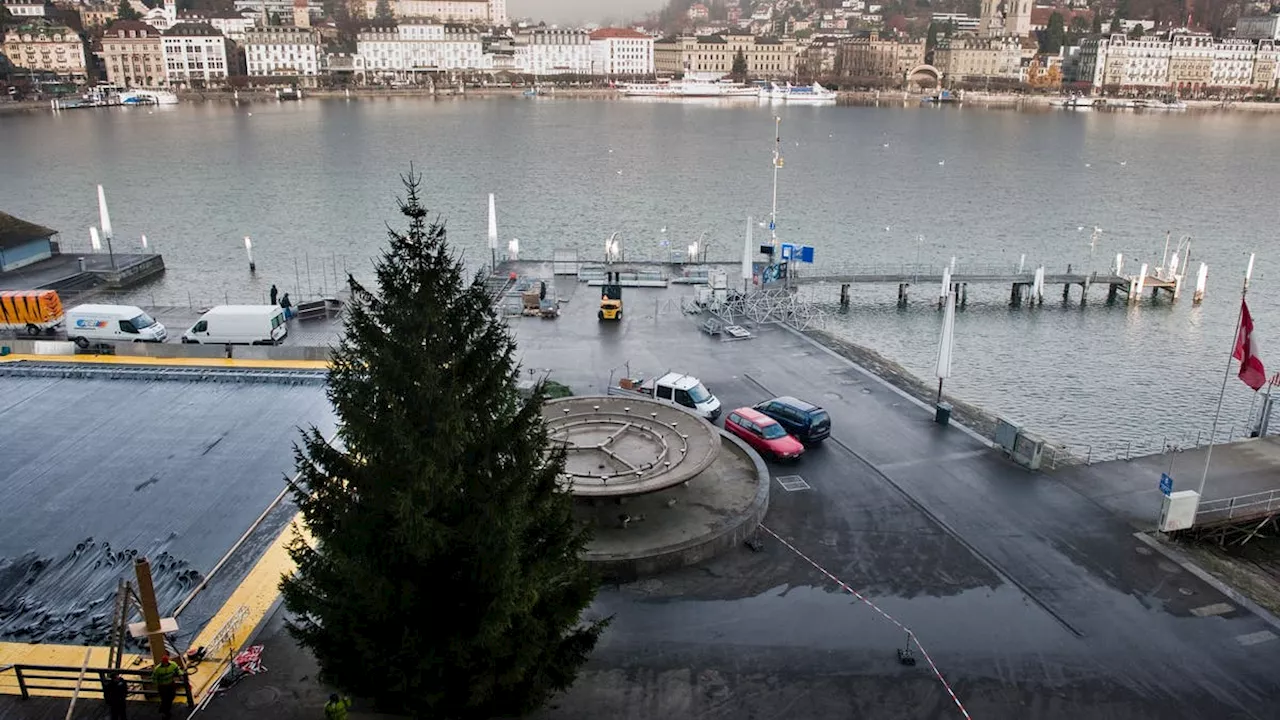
(1254, 638)
(1214, 609)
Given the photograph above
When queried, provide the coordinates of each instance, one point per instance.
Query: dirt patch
(1252, 569)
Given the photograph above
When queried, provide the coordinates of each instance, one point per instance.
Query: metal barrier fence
(1240, 506)
(63, 679)
(1059, 455)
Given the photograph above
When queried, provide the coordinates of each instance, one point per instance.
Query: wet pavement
(97, 472)
(1034, 600)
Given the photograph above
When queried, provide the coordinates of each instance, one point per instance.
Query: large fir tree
(443, 577)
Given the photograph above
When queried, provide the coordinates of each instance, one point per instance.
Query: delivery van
(88, 324)
(239, 325)
(35, 311)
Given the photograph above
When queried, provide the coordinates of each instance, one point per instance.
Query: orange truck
(35, 311)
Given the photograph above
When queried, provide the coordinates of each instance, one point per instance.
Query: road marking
(1254, 638)
(1214, 609)
(792, 483)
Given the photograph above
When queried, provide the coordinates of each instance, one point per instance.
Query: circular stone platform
(660, 487)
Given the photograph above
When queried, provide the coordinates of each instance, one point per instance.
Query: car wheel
(80, 342)
(33, 329)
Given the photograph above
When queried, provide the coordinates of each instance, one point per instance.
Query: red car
(763, 433)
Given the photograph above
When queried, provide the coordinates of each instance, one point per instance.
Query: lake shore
(1012, 101)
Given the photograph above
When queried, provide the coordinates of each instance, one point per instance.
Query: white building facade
(282, 52)
(27, 8)
(196, 54)
(397, 52)
(621, 51)
(1188, 64)
(550, 51)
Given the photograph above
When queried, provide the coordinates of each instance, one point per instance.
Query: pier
(1024, 287)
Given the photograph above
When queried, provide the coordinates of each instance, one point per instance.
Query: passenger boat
(694, 85)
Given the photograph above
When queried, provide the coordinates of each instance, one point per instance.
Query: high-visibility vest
(165, 674)
(336, 710)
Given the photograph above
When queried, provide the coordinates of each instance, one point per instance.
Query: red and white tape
(844, 586)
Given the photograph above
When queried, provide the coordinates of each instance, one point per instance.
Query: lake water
(313, 183)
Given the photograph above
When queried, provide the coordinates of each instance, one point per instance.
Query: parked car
(763, 433)
(809, 423)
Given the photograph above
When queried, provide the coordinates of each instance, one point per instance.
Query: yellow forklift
(611, 298)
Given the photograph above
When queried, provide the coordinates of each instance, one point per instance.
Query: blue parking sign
(1166, 483)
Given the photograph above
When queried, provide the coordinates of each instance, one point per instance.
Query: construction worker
(166, 676)
(336, 708)
(116, 693)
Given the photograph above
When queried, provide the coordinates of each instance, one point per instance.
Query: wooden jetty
(1024, 286)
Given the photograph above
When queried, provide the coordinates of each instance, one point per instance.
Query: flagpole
(1226, 375)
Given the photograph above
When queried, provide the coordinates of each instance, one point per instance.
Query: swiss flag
(1251, 371)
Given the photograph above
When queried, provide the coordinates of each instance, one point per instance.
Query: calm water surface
(313, 183)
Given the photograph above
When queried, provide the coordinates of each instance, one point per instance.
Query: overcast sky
(581, 10)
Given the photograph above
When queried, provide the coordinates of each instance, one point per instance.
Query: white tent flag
(947, 345)
(493, 225)
(102, 213)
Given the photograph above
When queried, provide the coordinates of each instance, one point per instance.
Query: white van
(88, 324)
(239, 325)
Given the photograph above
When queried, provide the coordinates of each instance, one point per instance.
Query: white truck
(88, 324)
(239, 325)
(672, 388)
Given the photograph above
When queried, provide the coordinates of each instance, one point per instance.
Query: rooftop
(193, 29)
(120, 28)
(606, 33)
(14, 231)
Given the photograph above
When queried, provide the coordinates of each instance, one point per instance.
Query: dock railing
(1238, 507)
(1060, 455)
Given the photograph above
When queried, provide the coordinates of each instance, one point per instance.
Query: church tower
(1017, 19)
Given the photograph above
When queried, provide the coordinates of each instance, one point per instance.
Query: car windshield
(143, 321)
(773, 431)
(699, 393)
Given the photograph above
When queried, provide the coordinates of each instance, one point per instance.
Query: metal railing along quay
(1240, 507)
(1060, 455)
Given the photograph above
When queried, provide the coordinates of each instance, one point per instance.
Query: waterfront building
(133, 55)
(285, 52)
(767, 57)
(819, 56)
(621, 51)
(1190, 62)
(28, 8)
(399, 51)
(1186, 63)
(484, 12)
(868, 55)
(196, 55)
(551, 51)
(1258, 27)
(974, 59)
(43, 46)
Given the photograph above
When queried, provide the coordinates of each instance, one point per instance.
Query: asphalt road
(1033, 601)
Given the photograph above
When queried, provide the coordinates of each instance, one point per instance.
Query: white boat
(1074, 102)
(148, 97)
(803, 95)
(694, 85)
